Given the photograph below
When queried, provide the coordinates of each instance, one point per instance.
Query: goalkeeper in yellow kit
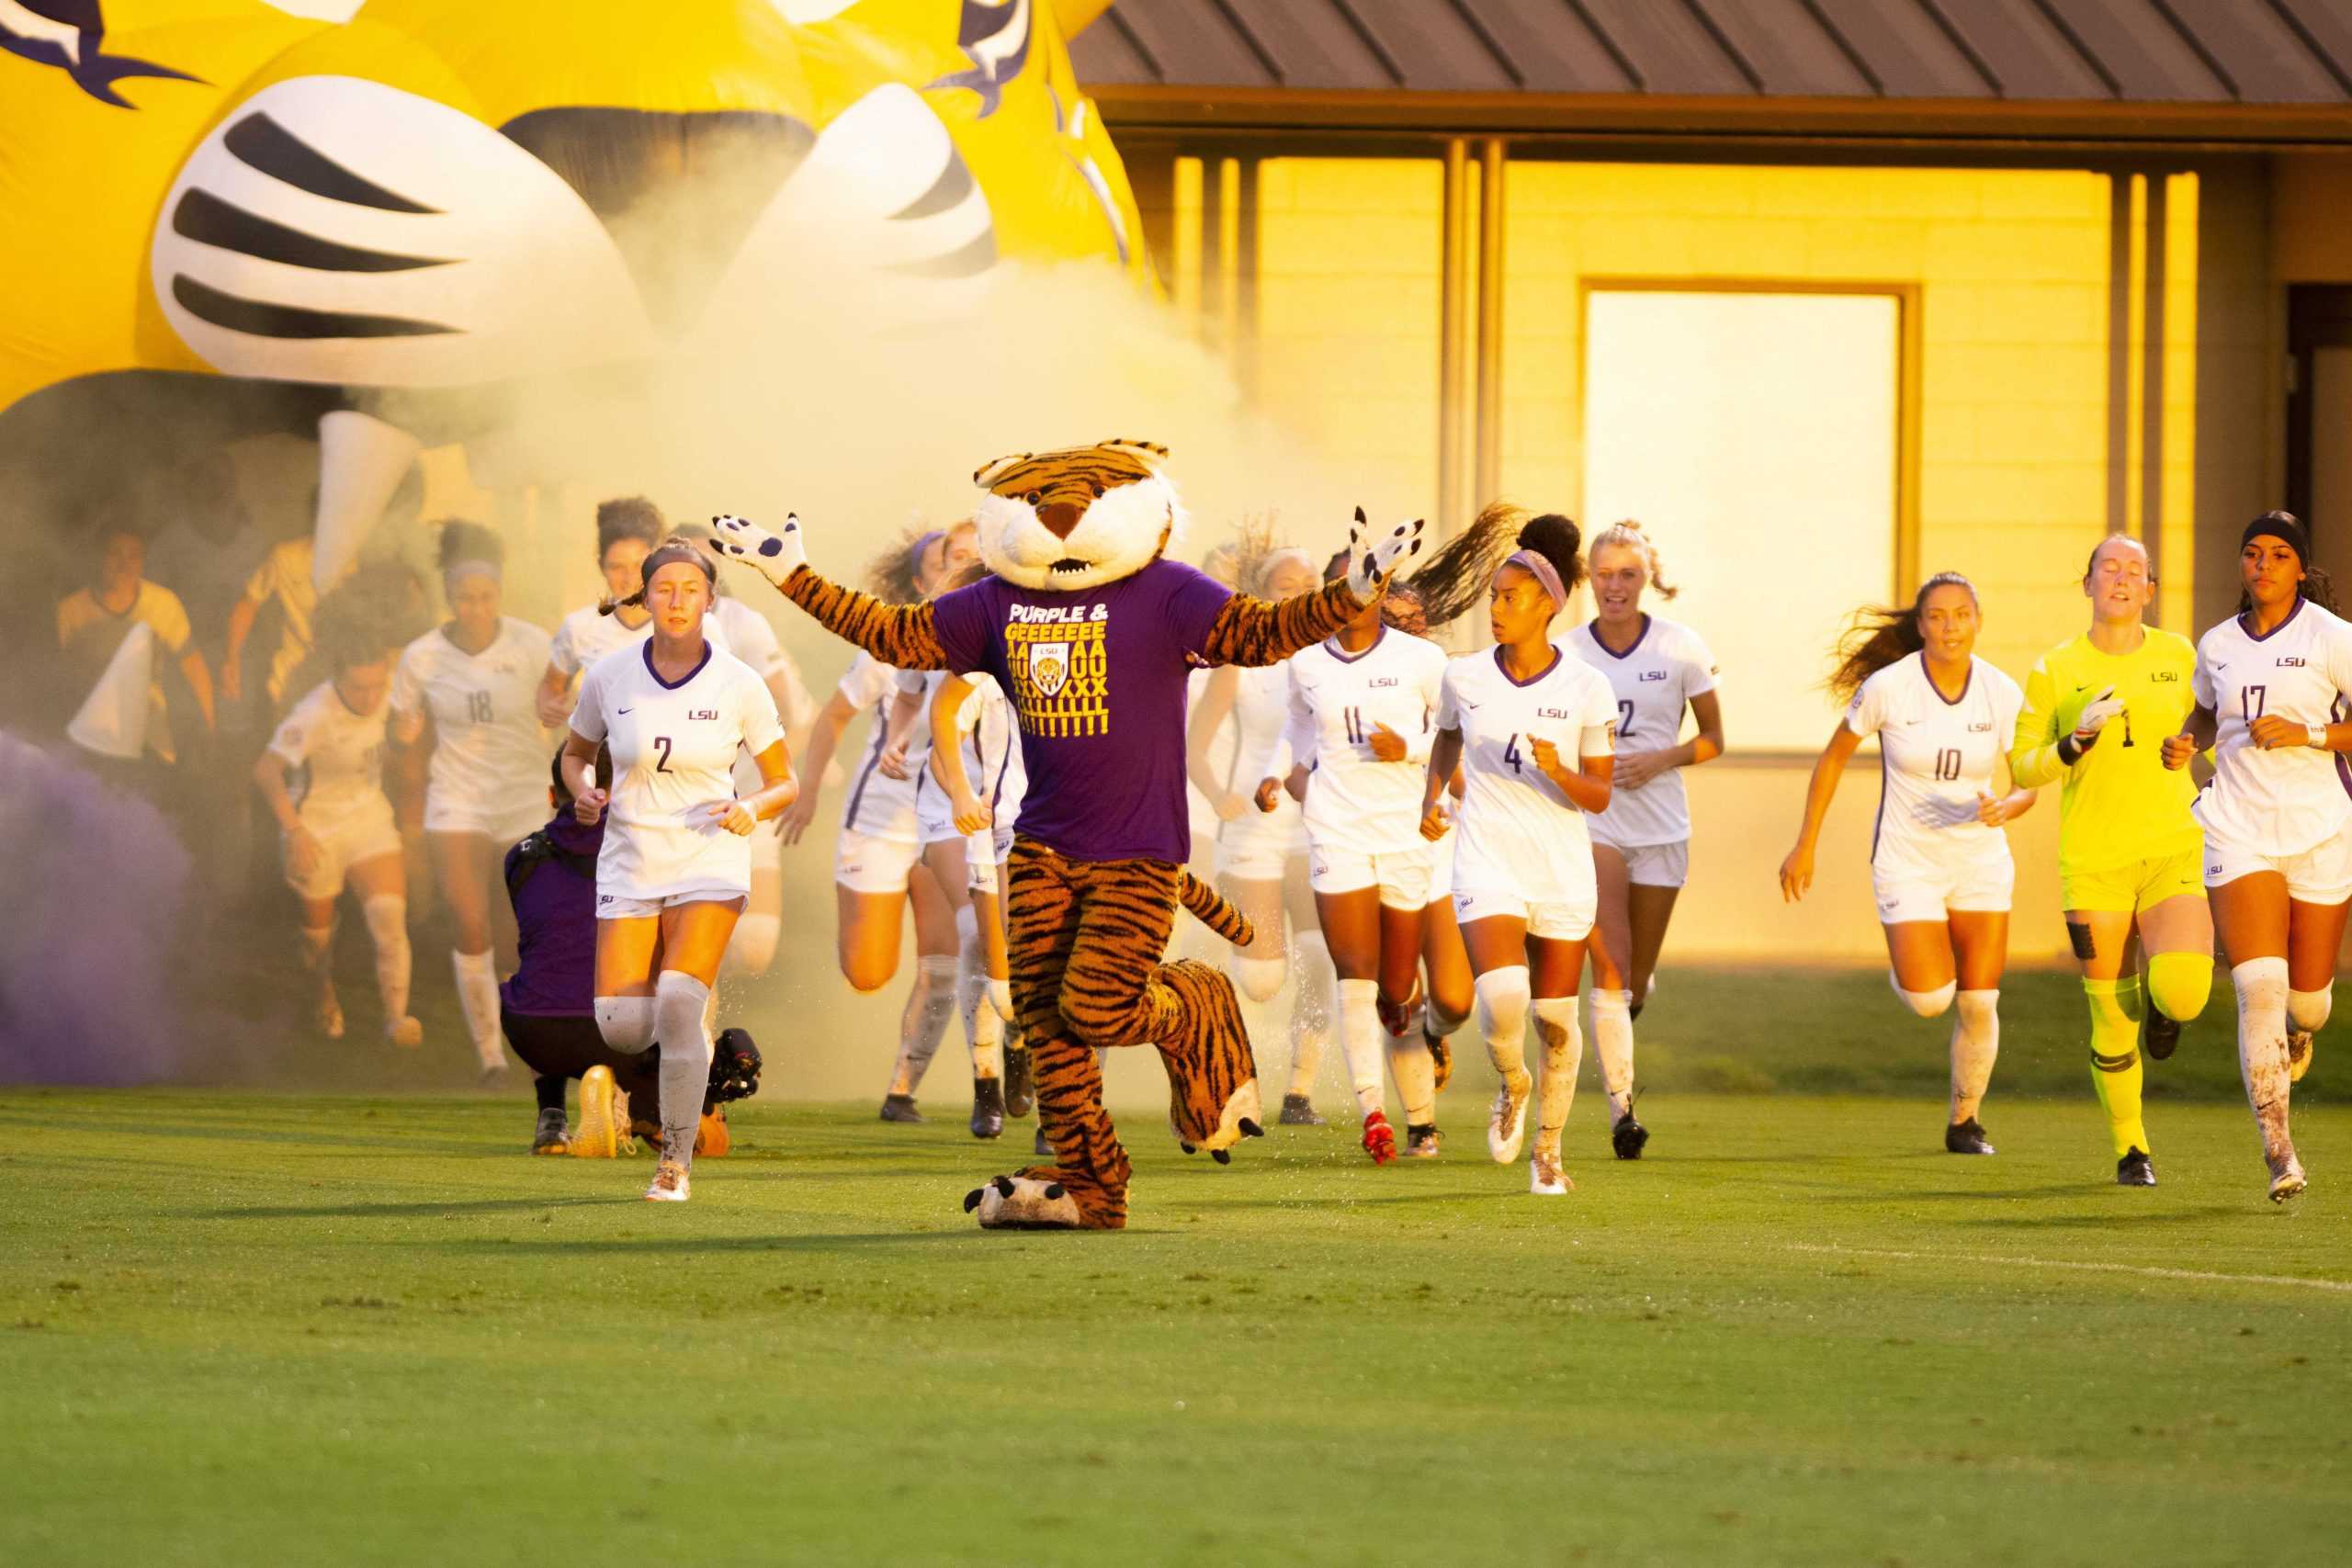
(2097, 711)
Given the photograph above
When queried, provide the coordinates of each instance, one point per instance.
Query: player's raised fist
(1372, 560)
(588, 806)
(777, 555)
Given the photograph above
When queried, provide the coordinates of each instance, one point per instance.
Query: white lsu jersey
(1652, 682)
(992, 754)
(341, 753)
(1937, 756)
(2286, 800)
(1337, 703)
(1519, 832)
(673, 749)
(489, 750)
(878, 805)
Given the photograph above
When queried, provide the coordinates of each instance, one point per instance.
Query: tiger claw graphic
(71, 36)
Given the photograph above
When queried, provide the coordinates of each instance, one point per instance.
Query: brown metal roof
(2282, 66)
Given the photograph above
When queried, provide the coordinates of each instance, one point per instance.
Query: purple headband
(915, 550)
(1543, 572)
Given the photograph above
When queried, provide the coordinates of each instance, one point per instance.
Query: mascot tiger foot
(1212, 1075)
(1030, 1202)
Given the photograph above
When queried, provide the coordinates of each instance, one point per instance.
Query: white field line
(2143, 1271)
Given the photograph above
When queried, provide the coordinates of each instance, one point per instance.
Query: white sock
(477, 996)
(983, 1029)
(678, 1001)
(1555, 1026)
(1312, 1006)
(387, 916)
(1259, 979)
(2262, 1048)
(931, 1002)
(1258, 1015)
(1502, 1017)
(1360, 1041)
(1613, 1048)
(2308, 1010)
(1926, 1004)
(626, 1023)
(753, 947)
(1415, 1070)
(1976, 1040)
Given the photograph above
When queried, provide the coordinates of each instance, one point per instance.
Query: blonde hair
(1626, 534)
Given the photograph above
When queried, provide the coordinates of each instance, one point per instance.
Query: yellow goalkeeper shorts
(2137, 886)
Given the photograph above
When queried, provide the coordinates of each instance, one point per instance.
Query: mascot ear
(1152, 450)
(986, 474)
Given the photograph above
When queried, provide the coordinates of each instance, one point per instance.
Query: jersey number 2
(1624, 718)
(663, 766)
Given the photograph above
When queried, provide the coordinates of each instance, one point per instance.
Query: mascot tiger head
(1077, 518)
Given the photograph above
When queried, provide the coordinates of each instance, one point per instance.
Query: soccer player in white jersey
(627, 530)
(1940, 864)
(675, 866)
(966, 802)
(1362, 705)
(1262, 846)
(2274, 700)
(464, 694)
(878, 869)
(339, 831)
(1658, 670)
(1530, 727)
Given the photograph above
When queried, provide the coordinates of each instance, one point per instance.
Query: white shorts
(1441, 868)
(2320, 874)
(1401, 875)
(985, 853)
(1916, 888)
(866, 864)
(503, 822)
(1655, 865)
(1563, 920)
(1257, 846)
(357, 836)
(614, 907)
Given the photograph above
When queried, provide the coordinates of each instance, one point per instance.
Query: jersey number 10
(1948, 764)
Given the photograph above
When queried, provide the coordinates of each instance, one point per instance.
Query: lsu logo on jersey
(1049, 667)
(1653, 675)
(703, 713)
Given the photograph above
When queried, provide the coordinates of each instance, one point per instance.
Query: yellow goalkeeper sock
(2115, 1059)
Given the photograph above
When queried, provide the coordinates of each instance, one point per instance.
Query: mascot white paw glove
(777, 555)
(1371, 564)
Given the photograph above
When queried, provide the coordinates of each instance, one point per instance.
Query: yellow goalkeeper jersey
(2120, 802)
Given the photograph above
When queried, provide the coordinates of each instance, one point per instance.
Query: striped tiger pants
(1085, 944)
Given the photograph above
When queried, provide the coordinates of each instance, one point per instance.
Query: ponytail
(1881, 635)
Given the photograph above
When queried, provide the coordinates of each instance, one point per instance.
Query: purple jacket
(552, 878)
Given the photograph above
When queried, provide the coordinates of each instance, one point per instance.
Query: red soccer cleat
(1379, 1138)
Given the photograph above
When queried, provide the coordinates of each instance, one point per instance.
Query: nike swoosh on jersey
(619, 711)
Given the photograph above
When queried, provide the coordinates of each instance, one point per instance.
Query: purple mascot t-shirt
(1097, 678)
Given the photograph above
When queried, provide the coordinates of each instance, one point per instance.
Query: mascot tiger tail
(1091, 631)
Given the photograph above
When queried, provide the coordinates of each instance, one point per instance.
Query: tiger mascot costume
(1091, 632)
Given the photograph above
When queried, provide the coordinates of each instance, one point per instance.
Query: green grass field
(257, 1329)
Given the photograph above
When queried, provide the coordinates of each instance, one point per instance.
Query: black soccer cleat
(1628, 1137)
(1298, 1111)
(988, 1108)
(551, 1136)
(1020, 1081)
(1422, 1140)
(2159, 1036)
(734, 1068)
(2135, 1169)
(1441, 1060)
(1966, 1138)
(900, 1108)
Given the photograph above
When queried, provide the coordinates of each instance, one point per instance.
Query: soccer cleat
(1546, 1178)
(2134, 1169)
(735, 1065)
(711, 1136)
(329, 1015)
(2299, 1054)
(900, 1108)
(1441, 1058)
(550, 1136)
(1020, 1081)
(1041, 1146)
(1507, 1123)
(2286, 1177)
(1628, 1136)
(670, 1184)
(404, 1033)
(1421, 1140)
(1379, 1138)
(494, 1073)
(601, 1119)
(1298, 1111)
(1966, 1138)
(2158, 1035)
(988, 1108)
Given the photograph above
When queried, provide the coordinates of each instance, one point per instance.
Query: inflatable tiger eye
(225, 220)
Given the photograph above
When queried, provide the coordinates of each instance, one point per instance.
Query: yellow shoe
(711, 1137)
(599, 1133)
